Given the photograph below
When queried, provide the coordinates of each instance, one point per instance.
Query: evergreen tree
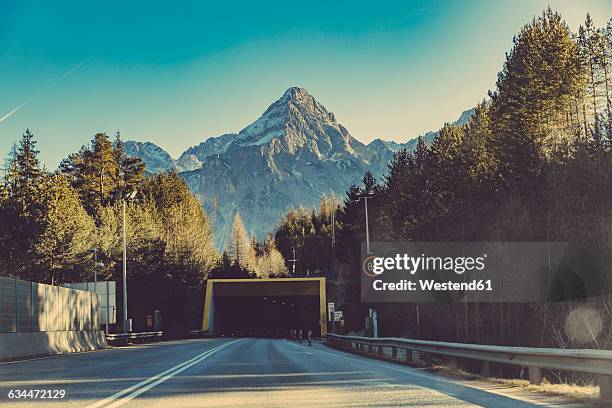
(240, 247)
(129, 170)
(93, 172)
(27, 170)
(102, 167)
(62, 247)
(186, 230)
(529, 114)
(270, 263)
(369, 182)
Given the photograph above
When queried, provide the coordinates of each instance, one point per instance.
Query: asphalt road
(234, 373)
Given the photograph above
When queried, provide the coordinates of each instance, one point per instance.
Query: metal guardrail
(198, 334)
(597, 362)
(122, 339)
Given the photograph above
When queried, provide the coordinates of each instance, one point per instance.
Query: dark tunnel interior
(266, 316)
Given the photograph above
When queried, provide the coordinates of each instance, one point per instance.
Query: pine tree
(529, 114)
(93, 172)
(325, 208)
(62, 247)
(592, 46)
(271, 263)
(129, 170)
(103, 168)
(369, 182)
(186, 230)
(278, 268)
(20, 225)
(27, 170)
(240, 247)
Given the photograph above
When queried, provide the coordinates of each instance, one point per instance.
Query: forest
(66, 226)
(534, 163)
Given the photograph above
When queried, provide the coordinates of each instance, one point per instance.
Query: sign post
(374, 319)
(330, 315)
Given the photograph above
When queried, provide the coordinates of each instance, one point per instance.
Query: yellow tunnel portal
(264, 306)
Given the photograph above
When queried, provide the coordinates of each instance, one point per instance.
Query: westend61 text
(432, 285)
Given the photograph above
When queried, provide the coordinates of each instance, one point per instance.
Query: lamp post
(128, 196)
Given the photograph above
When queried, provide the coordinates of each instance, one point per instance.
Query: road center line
(157, 379)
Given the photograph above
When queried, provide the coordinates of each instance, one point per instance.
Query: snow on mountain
(295, 152)
(193, 157)
(289, 157)
(156, 158)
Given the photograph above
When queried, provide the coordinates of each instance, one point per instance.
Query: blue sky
(177, 75)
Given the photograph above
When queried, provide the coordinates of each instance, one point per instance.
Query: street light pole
(125, 315)
(124, 198)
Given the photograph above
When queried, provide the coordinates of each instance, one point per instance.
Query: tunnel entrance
(264, 307)
(266, 316)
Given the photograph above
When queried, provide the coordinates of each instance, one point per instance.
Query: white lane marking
(148, 380)
(147, 387)
(427, 376)
(163, 375)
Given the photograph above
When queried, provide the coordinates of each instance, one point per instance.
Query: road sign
(338, 315)
(330, 310)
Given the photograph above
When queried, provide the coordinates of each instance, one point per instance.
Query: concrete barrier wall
(32, 344)
(39, 320)
(28, 306)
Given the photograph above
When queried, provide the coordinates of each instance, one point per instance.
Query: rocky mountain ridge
(295, 152)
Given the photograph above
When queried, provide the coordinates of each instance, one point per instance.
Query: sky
(177, 73)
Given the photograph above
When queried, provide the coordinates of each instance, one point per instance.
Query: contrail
(64, 76)
(10, 113)
(85, 61)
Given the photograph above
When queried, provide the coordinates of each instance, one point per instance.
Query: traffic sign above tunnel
(234, 301)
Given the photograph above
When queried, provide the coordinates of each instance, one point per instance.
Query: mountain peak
(295, 93)
(292, 154)
(297, 120)
(298, 98)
